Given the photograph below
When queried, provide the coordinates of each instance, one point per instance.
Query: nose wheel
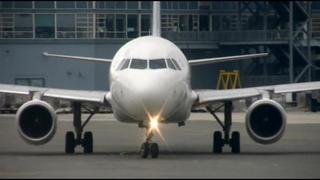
(154, 150)
(144, 150)
(148, 147)
(151, 149)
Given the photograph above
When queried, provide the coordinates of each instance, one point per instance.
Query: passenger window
(176, 64)
(139, 64)
(157, 64)
(170, 64)
(125, 64)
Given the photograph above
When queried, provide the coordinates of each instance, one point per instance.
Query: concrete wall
(26, 61)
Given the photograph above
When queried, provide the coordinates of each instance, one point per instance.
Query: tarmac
(185, 152)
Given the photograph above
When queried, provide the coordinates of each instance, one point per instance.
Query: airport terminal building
(289, 31)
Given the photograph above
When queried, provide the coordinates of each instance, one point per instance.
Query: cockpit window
(153, 64)
(121, 64)
(157, 64)
(125, 65)
(170, 64)
(176, 64)
(139, 64)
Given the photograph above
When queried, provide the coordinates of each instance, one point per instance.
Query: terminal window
(84, 4)
(38, 82)
(65, 26)
(132, 26)
(146, 4)
(120, 4)
(6, 4)
(44, 25)
(23, 4)
(145, 24)
(132, 5)
(105, 25)
(23, 26)
(66, 4)
(44, 4)
(120, 26)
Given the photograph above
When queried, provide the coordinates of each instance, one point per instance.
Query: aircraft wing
(225, 59)
(208, 96)
(81, 58)
(65, 94)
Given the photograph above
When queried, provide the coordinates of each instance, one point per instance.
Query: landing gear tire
(144, 150)
(154, 150)
(217, 142)
(70, 142)
(88, 143)
(235, 142)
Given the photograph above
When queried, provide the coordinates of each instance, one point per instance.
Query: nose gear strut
(149, 147)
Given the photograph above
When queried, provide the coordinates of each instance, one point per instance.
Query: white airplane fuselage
(141, 94)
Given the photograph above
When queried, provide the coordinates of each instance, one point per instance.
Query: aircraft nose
(154, 101)
(147, 95)
(153, 96)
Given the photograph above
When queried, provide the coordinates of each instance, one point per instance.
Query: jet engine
(266, 121)
(36, 122)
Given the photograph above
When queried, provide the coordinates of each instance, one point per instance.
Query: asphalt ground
(185, 152)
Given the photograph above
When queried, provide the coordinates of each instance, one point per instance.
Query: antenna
(156, 28)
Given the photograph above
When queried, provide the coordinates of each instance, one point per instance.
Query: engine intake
(266, 121)
(36, 122)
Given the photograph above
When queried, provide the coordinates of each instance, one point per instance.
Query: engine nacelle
(266, 121)
(36, 122)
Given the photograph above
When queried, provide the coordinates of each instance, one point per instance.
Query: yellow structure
(229, 79)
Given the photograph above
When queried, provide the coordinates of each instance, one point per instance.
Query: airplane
(150, 84)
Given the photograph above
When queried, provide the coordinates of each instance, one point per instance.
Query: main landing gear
(71, 141)
(218, 140)
(149, 147)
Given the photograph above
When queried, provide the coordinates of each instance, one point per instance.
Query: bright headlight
(154, 123)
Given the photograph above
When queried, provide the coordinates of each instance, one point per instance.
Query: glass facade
(122, 19)
(84, 26)
(43, 4)
(105, 26)
(44, 26)
(66, 25)
(146, 4)
(132, 27)
(132, 5)
(38, 82)
(65, 4)
(145, 24)
(22, 4)
(23, 26)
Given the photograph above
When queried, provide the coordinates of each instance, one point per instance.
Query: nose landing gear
(149, 147)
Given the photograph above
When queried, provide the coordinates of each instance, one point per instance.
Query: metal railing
(205, 36)
(16, 34)
(229, 36)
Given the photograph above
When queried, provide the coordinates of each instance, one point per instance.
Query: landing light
(154, 123)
